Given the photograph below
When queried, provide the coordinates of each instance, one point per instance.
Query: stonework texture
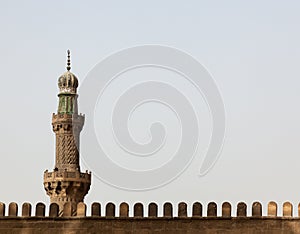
(96, 225)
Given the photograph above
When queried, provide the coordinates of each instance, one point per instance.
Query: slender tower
(66, 183)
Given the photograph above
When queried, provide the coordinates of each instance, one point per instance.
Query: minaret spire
(68, 61)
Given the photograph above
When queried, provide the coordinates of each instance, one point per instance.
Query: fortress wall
(15, 220)
(85, 225)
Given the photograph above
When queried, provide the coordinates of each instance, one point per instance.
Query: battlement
(145, 219)
(167, 208)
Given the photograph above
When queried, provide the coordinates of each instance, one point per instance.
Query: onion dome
(68, 82)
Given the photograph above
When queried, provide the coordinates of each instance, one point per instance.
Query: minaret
(66, 183)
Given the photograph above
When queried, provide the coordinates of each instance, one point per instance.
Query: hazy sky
(252, 49)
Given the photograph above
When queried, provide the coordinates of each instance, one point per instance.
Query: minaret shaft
(67, 130)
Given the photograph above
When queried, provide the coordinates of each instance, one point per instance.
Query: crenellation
(110, 210)
(241, 209)
(168, 210)
(226, 209)
(67, 210)
(138, 210)
(197, 209)
(212, 209)
(53, 210)
(13, 209)
(256, 209)
(96, 209)
(272, 209)
(40, 209)
(81, 209)
(124, 210)
(152, 210)
(26, 209)
(2, 209)
(287, 209)
(182, 209)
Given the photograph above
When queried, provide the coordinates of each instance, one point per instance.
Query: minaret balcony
(67, 176)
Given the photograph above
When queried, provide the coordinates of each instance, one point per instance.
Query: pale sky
(252, 50)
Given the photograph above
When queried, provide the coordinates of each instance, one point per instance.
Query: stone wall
(13, 220)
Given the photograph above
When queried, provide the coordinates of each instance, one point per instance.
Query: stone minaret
(66, 183)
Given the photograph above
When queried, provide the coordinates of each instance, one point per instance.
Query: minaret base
(67, 186)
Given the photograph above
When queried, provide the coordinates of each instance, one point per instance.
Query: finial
(68, 61)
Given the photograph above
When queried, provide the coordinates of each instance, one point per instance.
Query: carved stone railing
(67, 175)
